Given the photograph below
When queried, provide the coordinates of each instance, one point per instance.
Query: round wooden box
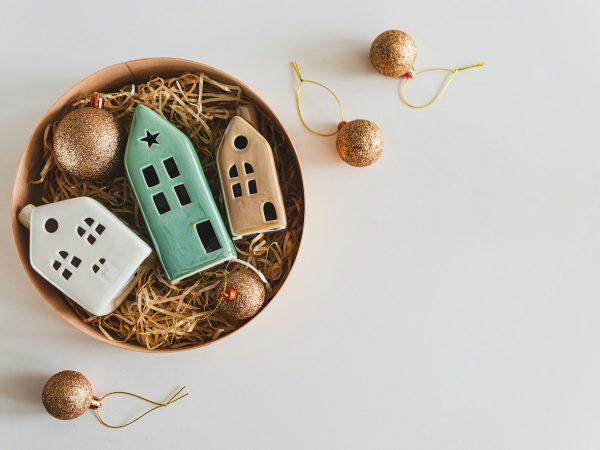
(105, 80)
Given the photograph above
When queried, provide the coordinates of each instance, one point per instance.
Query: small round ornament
(242, 295)
(68, 394)
(89, 142)
(359, 142)
(393, 53)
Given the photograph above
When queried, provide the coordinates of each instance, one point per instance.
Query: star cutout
(150, 138)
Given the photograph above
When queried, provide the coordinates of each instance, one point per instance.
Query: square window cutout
(161, 203)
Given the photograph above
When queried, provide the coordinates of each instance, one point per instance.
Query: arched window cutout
(233, 171)
(248, 168)
(58, 263)
(87, 230)
(96, 266)
(269, 212)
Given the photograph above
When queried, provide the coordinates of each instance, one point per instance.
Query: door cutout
(207, 235)
(269, 212)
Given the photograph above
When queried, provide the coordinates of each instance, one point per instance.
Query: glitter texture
(250, 296)
(393, 53)
(359, 142)
(89, 143)
(67, 395)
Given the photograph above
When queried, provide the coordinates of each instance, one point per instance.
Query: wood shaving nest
(158, 314)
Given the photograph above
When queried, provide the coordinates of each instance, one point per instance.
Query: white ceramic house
(85, 251)
(249, 181)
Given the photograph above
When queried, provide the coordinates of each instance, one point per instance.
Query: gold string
(173, 399)
(302, 81)
(441, 90)
(251, 267)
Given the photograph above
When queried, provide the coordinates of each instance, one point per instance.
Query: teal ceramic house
(181, 215)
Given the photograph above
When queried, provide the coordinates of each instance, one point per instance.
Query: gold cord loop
(302, 81)
(172, 400)
(441, 90)
(249, 266)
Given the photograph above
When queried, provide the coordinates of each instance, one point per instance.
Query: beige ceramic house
(249, 180)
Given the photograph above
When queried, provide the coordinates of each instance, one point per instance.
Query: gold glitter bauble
(393, 53)
(89, 143)
(67, 395)
(359, 142)
(250, 296)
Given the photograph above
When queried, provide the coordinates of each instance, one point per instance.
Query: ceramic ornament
(85, 251)
(249, 181)
(174, 197)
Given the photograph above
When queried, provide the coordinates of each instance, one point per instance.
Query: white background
(444, 298)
